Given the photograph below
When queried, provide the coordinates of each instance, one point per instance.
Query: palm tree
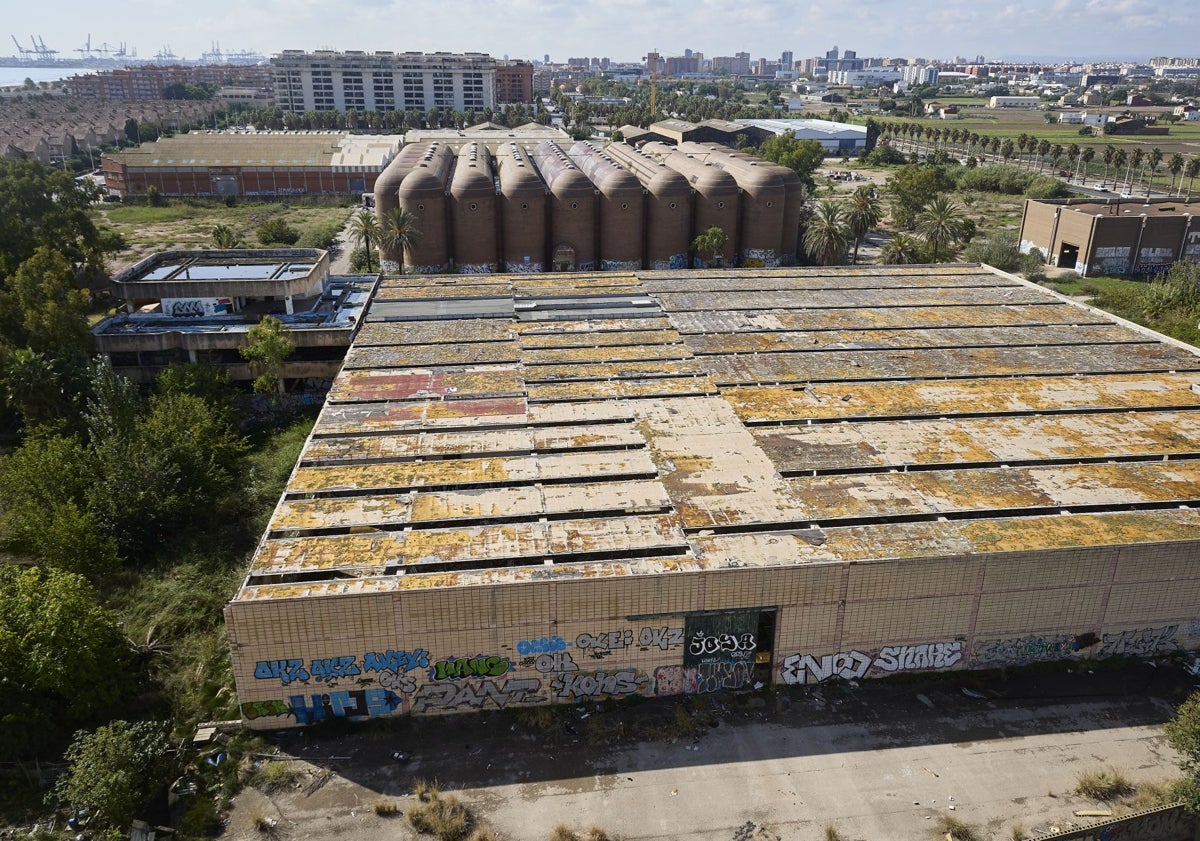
(1072, 158)
(1118, 162)
(1152, 161)
(863, 216)
(1110, 155)
(1135, 161)
(1086, 156)
(901, 249)
(1007, 148)
(1191, 171)
(941, 225)
(398, 233)
(826, 234)
(1056, 153)
(225, 237)
(996, 143)
(1043, 147)
(365, 230)
(1175, 166)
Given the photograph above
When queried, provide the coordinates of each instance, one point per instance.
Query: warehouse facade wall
(443, 650)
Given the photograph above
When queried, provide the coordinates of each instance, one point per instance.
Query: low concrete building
(835, 137)
(197, 306)
(1112, 236)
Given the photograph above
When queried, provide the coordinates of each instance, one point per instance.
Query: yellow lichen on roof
(1061, 532)
(350, 552)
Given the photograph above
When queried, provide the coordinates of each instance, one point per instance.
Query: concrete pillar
(287, 304)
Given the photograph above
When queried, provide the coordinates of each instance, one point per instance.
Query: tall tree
(267, 349)
(941, 224)
(365, 230)
(115, 769)
(1191, 171)
(826, 234)
(61, 654)
(45, 310)
(863, 216)
(1175, 166)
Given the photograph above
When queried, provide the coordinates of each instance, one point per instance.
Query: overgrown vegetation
(950, 826)
(1103, 784)
(1169, 304)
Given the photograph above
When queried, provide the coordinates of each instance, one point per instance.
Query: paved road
(879, 762)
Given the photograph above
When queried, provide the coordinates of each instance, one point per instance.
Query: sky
(625, 30)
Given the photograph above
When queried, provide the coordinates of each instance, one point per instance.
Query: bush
(320, 237)
(1000, 250)
(884, 156)
(277, 232)
(1103, 784)
(358, 259)
(954, 829)
(562, 832)
(275, 776)
(1045, 187)
(444, 817)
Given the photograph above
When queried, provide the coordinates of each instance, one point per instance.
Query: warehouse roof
(576, 426)
(803, 128)
(325, 149)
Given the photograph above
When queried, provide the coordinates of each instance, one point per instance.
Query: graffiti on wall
(851, 665)
(1112, 260)
(1168, 823)
(1032, 648)
(331, 669)
(594, 686)
(604, 643)
(474, 695)
(702, 679)
(1143, 642)
(356, 703)
(457, 668)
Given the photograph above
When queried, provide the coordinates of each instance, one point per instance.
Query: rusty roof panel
(537, 341)
(980, 440)
(516, 541)
(349, 419)
(431, 506)
(614, 370)
(480, 381)
(831, 280)
(932, 363)
(421, 356)
(748, 342)
(883, 318)
(631, 497)
(951, 397)
(839, 298)
(414, 445)
(607, 353)
(606, 436)
(470, 471)
(448, 331)
(588, 326)
(601, 389)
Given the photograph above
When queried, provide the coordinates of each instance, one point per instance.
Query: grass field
(189, 223)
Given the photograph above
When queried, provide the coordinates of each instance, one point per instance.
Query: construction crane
(165, 54)
(23, 52)
(653, 60)
(41, 50)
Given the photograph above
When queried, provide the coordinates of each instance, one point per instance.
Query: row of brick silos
(617, 209)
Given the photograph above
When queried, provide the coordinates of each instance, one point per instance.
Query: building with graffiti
(566, 488)
(180, 307)
(1115, 236)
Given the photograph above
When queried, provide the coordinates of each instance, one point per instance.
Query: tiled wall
(441, 650)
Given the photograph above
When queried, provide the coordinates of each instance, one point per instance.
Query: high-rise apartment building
(383, 81)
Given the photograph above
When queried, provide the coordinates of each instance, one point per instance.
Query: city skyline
(1079, 30)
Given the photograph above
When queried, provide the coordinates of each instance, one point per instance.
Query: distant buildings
(383, 81)
(514, 82)
(152, 81)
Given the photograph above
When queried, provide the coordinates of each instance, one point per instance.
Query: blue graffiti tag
(284, 671)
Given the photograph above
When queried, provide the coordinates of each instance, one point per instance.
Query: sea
(17, 75)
